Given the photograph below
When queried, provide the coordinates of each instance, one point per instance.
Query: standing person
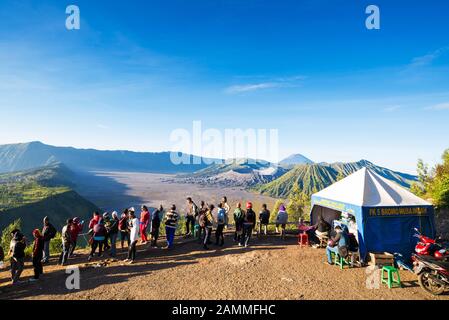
(201, 222)
(281, 220)
(96, 217)
(144, 221)
(208, 225)
(48, 233)
(133, 236)
(123, 228)
(171, 223)
(75, 230)
(264, 219)
(17, 249)
(106, 222)
(249, 222)
(192, 211)
(112, 231)
(227, 208)
(66, 242)
(155, 225)
(239, 215)
(38, 249)
(221, 221)
(98, 238)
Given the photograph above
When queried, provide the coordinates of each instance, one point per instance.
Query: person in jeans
(249, 222)
(48, 233)
(66, 242)
(221, 221)
(171, 223)
(17, 249)
(264, 219)
(37, 255)
(337, 244)
(112, 231)
(123, 228)
(192, 210)
(133, 226)
(144, 221)
(155, 225)
(208, 225)
(98, 238)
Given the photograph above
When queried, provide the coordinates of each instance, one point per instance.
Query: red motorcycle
(433, 274)
(429, 247)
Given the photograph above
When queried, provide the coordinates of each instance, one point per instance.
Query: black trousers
(132, 250)
(37, 266)
(247, 231)
(190, 224)
(219, 237)
(95, 244)
(207, 233)
(154, 235)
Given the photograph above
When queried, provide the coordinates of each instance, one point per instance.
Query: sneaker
(130, 261)
(126, 260)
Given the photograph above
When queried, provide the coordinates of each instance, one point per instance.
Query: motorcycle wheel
(426, 282)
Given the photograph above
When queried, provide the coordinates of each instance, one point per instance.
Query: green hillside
(33, 194)
(314, 177)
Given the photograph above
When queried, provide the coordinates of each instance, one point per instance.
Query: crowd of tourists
(105, 231)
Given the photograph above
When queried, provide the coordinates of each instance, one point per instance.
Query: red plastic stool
(303, 239)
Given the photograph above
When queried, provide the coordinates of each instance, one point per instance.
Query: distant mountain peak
(296, 159)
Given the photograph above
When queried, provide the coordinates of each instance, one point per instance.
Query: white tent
(367, 188)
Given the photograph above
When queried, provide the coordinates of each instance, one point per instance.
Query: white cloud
(392, 108)
(102, 126)
(439, 107)
(282, 82)
(429, 58)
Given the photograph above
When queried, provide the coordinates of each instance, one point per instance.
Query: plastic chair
(390, 280)
(303, 239)
(340, 261)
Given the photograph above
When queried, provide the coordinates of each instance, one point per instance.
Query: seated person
(322, 228)
(337, 244)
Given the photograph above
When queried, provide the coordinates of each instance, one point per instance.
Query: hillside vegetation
(311, 178)
(33, 194)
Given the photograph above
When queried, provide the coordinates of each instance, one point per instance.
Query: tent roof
(366, 188)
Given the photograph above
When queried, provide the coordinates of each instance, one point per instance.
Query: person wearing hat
(112, 231)
(17, 249)
(38, 248)
(281, 220)
(98, 237)
(75, 230)
(171, 223)
(48, 233)
(249, 222)
(208, 225)
(133, 225)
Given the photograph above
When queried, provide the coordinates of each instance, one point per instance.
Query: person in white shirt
(133, 226)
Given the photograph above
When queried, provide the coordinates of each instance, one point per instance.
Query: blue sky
(136, 70)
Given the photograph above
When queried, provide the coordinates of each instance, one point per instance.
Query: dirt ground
(269, 269)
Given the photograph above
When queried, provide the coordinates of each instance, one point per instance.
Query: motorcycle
(433, 274)
(429, 247)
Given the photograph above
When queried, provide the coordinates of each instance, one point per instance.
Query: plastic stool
(391, 271)
(303, 239)
(340, 261)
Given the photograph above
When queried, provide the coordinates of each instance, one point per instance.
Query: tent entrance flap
(328, 214)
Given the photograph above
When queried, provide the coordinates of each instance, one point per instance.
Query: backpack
(202, 220)
(221, 216)
(197, 210)
(51, 231)
(122, 224)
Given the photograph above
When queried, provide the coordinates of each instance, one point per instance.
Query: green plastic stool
(196, 231)
(340, 261)
(391, 280)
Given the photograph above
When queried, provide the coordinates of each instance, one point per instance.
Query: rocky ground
(269, 269)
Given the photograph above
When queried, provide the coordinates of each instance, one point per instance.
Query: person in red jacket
(144, 221)
(94, 220)
(37, 254)
(75, 230)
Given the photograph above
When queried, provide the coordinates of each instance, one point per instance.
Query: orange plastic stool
(303, 239)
